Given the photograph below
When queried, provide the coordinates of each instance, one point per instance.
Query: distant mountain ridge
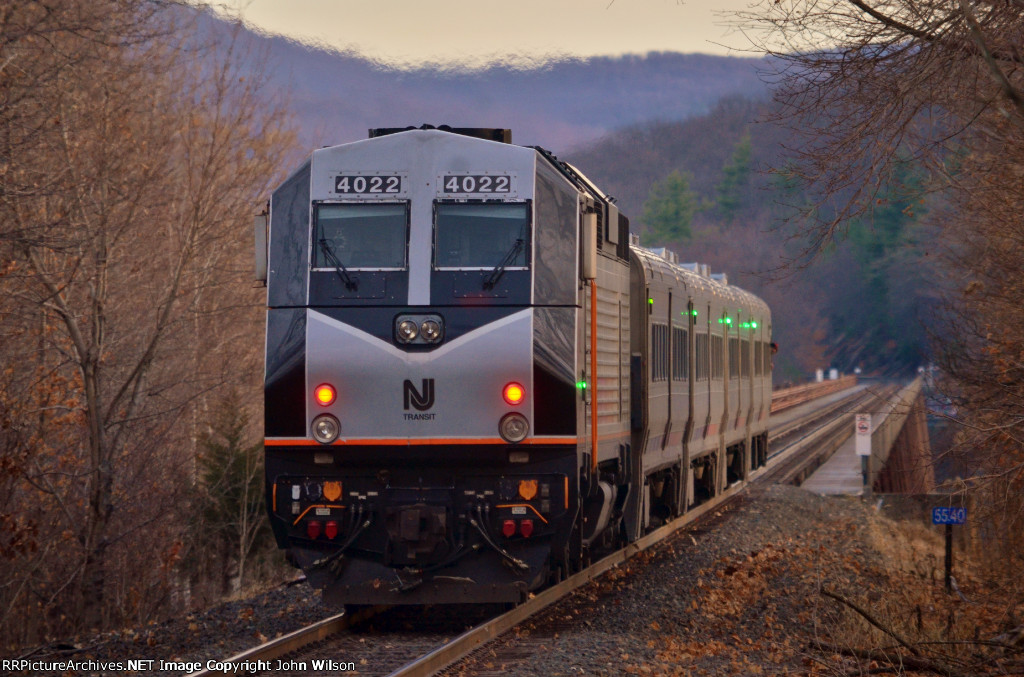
(560, 105)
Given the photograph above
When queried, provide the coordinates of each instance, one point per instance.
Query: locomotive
(476, 379)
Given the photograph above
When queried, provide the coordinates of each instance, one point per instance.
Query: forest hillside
(711, 189)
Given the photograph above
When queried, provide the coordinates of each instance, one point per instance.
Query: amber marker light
(513, 393)
(332, 491)
(324, 394)
(528, 489)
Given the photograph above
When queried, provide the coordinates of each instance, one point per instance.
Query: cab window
(361, 236)
(481, 235)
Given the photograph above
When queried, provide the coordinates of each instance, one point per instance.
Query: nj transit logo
(420, 400)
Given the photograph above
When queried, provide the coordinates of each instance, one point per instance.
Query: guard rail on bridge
(790, 397)
(900, 452)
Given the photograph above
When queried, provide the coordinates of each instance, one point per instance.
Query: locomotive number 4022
(383, 184)
(477, 183)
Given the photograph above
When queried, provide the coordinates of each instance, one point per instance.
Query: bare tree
(869, 84)
(865, 83)
(132, 154)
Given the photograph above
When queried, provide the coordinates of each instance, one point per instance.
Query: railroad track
(805, 442)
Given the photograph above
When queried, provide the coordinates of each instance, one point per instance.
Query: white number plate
(346, 184)
(478, 183)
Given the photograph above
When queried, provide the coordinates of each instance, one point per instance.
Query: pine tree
(735, 179)
(230, 491)
(669, 210)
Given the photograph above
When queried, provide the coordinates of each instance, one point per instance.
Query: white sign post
(862, 430)
(862, 425)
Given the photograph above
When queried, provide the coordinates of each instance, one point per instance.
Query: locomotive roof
(400, 140)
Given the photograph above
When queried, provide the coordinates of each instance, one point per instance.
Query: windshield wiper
(499, 269)
(350, 283)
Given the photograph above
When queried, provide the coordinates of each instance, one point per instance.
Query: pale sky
(473, 32)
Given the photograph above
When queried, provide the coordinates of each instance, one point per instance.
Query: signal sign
(862, 426)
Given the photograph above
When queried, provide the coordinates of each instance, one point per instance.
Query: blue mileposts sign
(949, 515)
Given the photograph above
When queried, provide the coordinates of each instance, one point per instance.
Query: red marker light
(324, 394)
(513, 393)
(508, 528)
(526, 528)
(313, 529)
(331, 530)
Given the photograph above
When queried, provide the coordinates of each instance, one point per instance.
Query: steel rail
(459, 647)
(464, 644)
(294, 641)
(825, 440)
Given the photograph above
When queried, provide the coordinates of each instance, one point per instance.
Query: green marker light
(582, 385)
(651, 301)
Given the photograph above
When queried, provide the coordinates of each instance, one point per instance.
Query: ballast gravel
(738, 594)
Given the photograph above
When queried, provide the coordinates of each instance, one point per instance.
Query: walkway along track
(808, 440)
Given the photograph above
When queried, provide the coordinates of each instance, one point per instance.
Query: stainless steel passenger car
(474, 380)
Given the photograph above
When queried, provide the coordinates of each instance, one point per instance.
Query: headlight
(418, 330)
(407, 331)
(513, 427)
(326, 428)
(430, 330)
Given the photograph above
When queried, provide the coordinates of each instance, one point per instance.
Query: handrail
(790, 397)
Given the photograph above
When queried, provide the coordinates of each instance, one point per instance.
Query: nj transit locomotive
(475, 380)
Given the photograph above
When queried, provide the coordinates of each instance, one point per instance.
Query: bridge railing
(790, 397)
(886, 430)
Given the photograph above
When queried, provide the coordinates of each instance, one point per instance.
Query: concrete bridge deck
(900, 458)
(840, 474)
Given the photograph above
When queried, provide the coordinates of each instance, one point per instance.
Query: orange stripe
(428, 441)
(566, 492)
(341, 507)
(275, 498)
(593, 375)
(524, 505)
